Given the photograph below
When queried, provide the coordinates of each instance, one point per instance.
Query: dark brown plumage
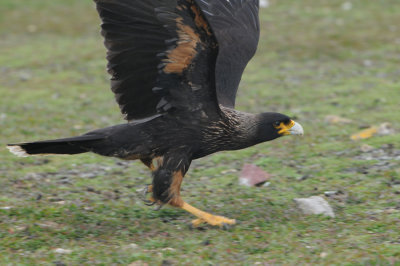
(176, 66)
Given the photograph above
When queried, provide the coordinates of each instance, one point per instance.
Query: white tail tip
(18, 150)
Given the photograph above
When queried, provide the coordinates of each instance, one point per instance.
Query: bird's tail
(73, 145)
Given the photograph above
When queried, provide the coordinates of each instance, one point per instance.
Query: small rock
(62, 251)
(130, 247)
(314, 205)
(21, 228)
(334, 119)
(228, 171)
(6, 208)
(33, 176)
(391, 210)
(366, 148)
(385, 129)
(330, 193)
(133, 246)
(323, 255)
(253, 175)
(48, 225)
(266, 184)
(303, 177)
(168, 249)
(105, 168)
(88, 175)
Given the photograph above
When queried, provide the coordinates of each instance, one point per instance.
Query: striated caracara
(176, 67)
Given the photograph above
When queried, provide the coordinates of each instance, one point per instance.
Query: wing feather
(235, 24)
(161, 55)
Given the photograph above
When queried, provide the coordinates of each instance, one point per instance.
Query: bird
(175, 69)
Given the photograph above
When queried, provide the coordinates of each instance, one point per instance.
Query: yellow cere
(284, 128)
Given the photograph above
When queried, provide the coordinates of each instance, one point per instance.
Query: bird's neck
(241, 128)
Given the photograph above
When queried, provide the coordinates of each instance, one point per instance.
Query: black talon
(143, 196)
(145, 191)
(149, 202)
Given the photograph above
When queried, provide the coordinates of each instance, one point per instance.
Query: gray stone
(314, 205)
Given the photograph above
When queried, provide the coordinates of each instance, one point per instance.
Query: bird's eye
(277, 123)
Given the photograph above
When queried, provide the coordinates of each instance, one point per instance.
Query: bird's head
(275, 125)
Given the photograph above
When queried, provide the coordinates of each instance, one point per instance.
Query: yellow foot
(204, 217)
(214, 220)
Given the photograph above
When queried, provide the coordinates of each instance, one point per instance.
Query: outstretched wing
(237, 29)
(161, 55)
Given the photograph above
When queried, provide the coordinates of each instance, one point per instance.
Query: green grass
(314, 59)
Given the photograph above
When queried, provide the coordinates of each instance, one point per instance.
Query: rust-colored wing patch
(187, 69)
(199, 20)
(189, 38)
(182, 55)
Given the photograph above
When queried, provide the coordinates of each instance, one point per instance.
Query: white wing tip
(17, 150)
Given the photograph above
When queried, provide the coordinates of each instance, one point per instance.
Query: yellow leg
(204, 217)
(176, 201)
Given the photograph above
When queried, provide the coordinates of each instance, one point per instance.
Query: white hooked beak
(290, 128)
(296, 129)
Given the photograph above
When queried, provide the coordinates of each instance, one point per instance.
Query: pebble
(334, 119)
(385, 129)
(62, 251)
(366, 148)
(323, 255)
(330, 193)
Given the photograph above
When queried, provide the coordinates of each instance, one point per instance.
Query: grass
(315, 59)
